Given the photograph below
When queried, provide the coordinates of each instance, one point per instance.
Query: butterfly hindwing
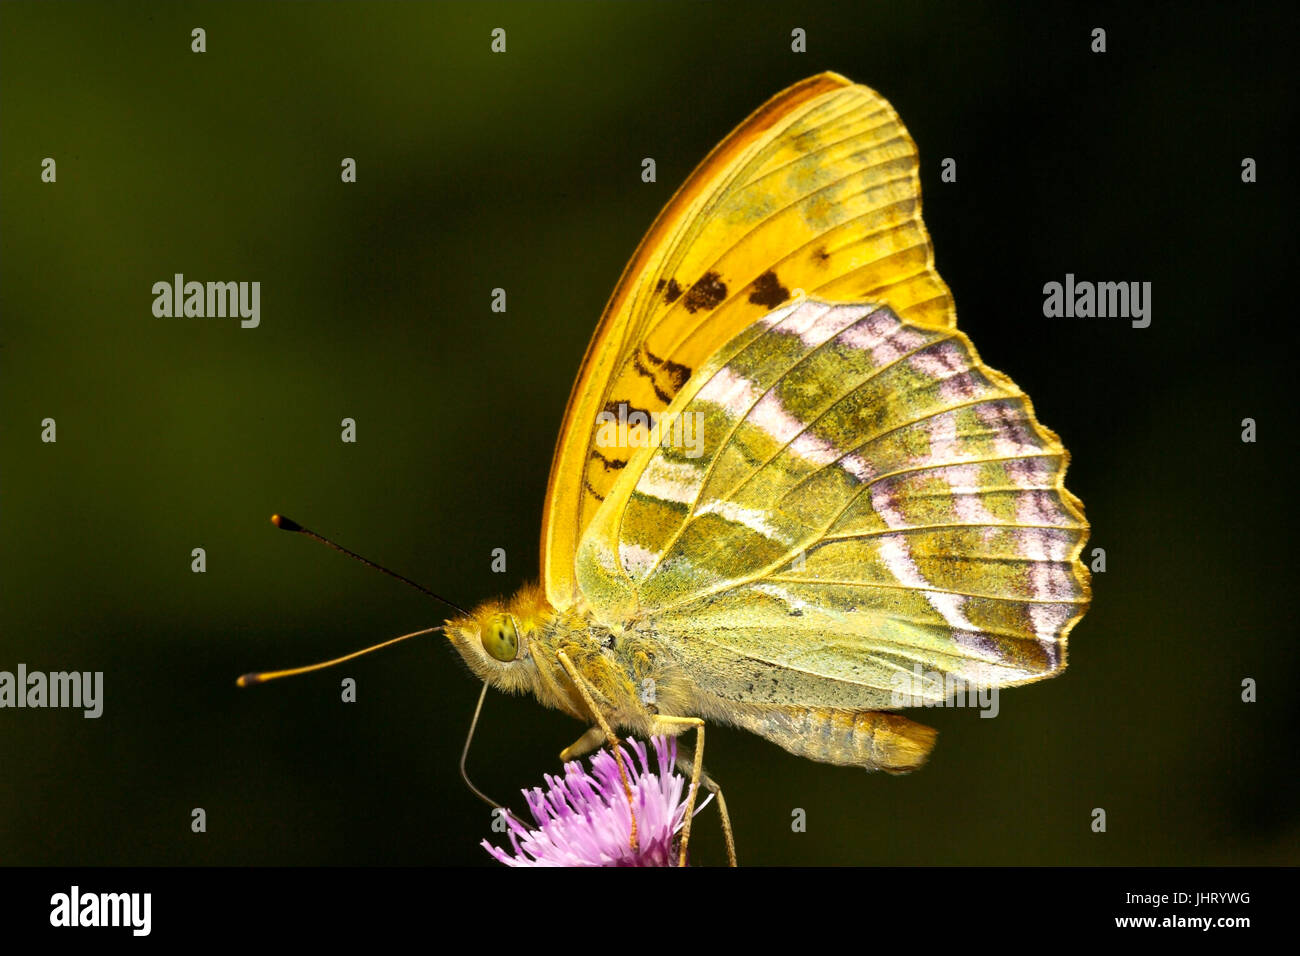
(818, 192)
(837, 497)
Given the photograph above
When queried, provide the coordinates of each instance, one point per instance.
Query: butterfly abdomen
(865, 738)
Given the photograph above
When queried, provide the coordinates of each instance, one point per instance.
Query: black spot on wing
(626, 410)
(821, 255)
(592, 491)
(672, 292)
(709, 290)
(677, 373)
(642, 370)
(768, 291)
(611, 464)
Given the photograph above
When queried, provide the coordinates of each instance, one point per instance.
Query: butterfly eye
(500, 639)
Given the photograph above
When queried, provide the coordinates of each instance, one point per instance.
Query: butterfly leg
(697, 775)
(685, 763)
(580, 683)
(584, 745)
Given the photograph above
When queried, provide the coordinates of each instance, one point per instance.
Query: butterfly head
(497, 640)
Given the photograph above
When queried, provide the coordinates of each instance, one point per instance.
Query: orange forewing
(817, 191)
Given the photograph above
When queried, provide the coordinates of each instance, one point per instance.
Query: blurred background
(522, 171)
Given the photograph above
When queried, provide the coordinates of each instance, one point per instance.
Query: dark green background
(523, 171)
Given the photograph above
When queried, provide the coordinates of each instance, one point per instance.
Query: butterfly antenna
(288, 524)
(469, 738)
(261, 677)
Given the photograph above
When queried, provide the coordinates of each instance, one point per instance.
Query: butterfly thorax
(623, 670)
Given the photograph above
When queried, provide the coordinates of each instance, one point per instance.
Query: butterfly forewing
(818, 191)
(864, 496)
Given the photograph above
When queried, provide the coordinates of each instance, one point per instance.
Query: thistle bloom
(583, 819)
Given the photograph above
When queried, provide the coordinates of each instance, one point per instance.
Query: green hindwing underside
(839, 501)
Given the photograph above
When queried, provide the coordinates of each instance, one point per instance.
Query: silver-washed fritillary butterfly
(765, 506)
(785, 480)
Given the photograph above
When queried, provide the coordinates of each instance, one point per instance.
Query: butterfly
(785, 483)
(784, 477)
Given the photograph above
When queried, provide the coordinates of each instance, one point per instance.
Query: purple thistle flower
(583, 819)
